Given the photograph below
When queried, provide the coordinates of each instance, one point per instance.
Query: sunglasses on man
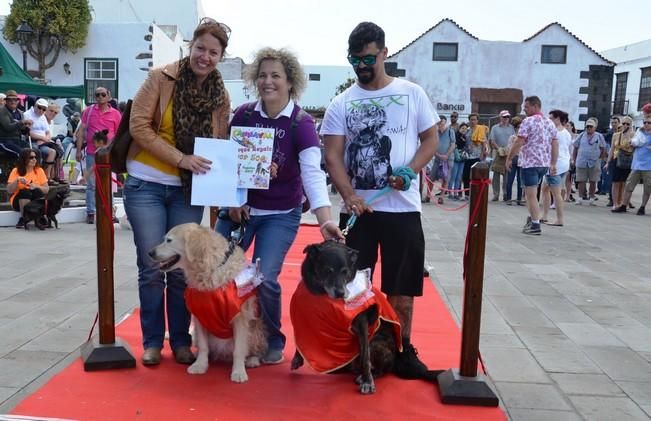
(42, 108)
(368, 60)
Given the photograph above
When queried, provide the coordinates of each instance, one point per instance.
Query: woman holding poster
(274, 214)
(178, 102)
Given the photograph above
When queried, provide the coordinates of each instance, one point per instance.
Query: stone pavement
(566, 320)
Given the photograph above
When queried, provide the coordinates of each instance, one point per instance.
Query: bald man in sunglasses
(99, 116)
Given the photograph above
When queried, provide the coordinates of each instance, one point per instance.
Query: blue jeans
(153, 209)
(513, 174)
(455, 177)
(606, 182)
(90, 185)
(273, 235)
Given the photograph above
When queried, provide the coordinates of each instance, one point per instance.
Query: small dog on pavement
(220, 294)
(341, 321)
(35, 211)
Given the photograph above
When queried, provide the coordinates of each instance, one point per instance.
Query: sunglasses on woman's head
(32, 157)
(211, 21)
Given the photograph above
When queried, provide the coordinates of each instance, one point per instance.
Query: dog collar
(231, 248)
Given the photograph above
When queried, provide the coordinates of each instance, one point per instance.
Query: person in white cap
(41, 136)
(2, 99)
(589, 149)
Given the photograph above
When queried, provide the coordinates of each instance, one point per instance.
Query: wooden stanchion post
(108, 352)
(465, 386)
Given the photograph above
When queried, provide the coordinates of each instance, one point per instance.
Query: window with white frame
(100, 72)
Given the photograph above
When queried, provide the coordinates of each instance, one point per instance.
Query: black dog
(327, 269)
(54, 206)
(44, 211)
(35, 211)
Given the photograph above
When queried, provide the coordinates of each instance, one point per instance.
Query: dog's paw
(198, 367)
(367, 388)
(252, 361)
(297, 362)
(239, 376)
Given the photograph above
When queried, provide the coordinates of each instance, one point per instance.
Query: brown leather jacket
(148, 107)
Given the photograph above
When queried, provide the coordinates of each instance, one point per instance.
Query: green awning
(12, 76)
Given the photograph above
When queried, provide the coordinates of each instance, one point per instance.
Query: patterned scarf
(192, 112)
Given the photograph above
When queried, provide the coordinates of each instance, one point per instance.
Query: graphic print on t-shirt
(369, 123)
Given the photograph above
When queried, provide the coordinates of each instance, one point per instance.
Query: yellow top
(166, 132)
(479, 133)
(622, 141)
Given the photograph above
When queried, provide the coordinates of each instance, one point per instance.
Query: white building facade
(632, 80)
(462, 73)
(125, 40)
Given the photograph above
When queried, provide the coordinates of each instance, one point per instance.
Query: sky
(317, 31)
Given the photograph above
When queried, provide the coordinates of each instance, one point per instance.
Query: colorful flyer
(256, 145)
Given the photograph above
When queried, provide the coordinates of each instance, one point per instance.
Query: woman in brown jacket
(177, 103)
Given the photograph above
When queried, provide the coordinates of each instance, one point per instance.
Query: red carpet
(167, 392)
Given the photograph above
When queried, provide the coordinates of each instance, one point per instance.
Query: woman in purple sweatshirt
(273, 216)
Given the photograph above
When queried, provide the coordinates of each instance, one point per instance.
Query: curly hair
(293, 69)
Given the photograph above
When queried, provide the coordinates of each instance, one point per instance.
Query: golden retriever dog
(220, 294)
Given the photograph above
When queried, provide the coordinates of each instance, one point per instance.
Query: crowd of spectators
(28, 129)
(611, 163)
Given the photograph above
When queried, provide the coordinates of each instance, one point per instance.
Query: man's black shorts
(402, 248)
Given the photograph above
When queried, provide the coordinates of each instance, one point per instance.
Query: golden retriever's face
(169, 253)
(200, 252)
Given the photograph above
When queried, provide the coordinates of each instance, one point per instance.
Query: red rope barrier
(430, 188)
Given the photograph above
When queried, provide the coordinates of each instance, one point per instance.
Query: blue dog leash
(406, 173)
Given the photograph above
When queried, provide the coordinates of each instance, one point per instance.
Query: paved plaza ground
(566, 320)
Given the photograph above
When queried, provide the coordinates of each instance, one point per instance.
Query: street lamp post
(24, 34)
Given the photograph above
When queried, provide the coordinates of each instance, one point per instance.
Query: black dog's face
(328, 267)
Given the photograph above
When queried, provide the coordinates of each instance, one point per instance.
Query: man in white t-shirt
(378, 127)
(553, 184)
